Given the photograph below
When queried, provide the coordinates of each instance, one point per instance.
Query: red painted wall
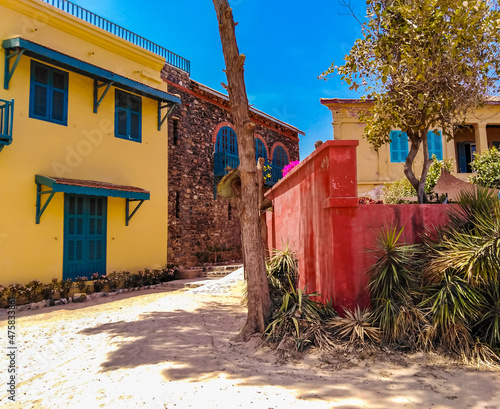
(316, 210)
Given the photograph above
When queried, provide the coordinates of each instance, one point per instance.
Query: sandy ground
(172, 349)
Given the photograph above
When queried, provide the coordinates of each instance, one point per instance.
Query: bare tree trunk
(418, 184)
(259, 302)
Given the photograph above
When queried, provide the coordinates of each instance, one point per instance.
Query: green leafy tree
(487, 166)
(425, 64)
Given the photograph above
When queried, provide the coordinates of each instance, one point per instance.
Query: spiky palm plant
(355, 327)
(470, 244)
(282, 266)
(393, 286)
(462, 277)
(294, 318)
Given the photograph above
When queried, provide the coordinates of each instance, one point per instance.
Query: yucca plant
(394, 285)
(355, 327)
(282, 267)
(488, 326)
(461, 277)
(299, 318)
(470, 244)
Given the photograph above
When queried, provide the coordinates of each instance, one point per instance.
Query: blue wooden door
(84, 236)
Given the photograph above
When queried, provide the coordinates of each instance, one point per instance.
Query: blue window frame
(280, 158)
(48, 94)
(260, 150)
(399, 146)
(466, 151)
(85, 220)
(435, 144)
(226, 141)
(128, 116)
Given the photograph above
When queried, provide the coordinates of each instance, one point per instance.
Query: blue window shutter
(260, 150)
(462, 159)
(399, 146)
(404, 146)
(280, 158)
(48, 94)
(395, 146)
(128, 116)
(435, 144)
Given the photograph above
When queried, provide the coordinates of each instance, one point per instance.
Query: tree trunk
(259, 302)
(418, 184)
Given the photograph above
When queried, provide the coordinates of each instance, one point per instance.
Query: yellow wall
(375, 168)
(84, 149)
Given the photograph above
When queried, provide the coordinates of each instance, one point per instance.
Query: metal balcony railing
(224, 159)
(98, 21)
(6, 119)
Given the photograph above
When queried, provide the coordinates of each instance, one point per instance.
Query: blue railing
(92, 18)
(224, 159)
(6, 119)
(276, 174)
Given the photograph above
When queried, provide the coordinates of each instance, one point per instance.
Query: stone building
(201, 143)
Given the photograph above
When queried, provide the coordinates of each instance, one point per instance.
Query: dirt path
(158, 349)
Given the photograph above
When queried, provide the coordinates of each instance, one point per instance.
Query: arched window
(226, 151)
(280, 160)
(226, 141)
(260, 150)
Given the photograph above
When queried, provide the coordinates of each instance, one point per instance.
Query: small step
(220, 271)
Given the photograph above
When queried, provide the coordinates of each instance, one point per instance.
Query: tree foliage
(425, 64)
(487, 167)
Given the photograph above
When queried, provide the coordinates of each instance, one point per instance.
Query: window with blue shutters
(226, 151)
(435, 144)
(260, 150)
(280, 160)
(128, 116)
(399, 146)
(48, 94)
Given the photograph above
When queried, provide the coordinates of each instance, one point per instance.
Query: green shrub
(65, 287)
(50, 289)
(487, 167)
(403, 188)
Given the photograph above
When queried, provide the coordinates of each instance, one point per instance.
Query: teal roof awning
(17, 46)
(87, 187)
(91, 187)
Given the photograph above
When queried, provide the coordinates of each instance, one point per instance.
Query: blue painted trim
(9, 72)
(81, 67)
(89, 191)
(169, 107)
(97, 100)
(129, 215)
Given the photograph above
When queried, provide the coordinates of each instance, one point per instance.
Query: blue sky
(287, 44)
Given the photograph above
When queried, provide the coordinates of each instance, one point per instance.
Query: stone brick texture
(201, 228)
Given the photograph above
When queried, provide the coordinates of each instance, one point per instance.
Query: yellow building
(83, 145)
(376, 167)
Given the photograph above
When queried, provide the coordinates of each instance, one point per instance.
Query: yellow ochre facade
(118, 152)
(481, 131)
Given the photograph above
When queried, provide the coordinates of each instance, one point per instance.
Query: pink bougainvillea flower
(289, 167)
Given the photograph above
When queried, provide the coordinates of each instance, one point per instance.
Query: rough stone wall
(200, 227)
